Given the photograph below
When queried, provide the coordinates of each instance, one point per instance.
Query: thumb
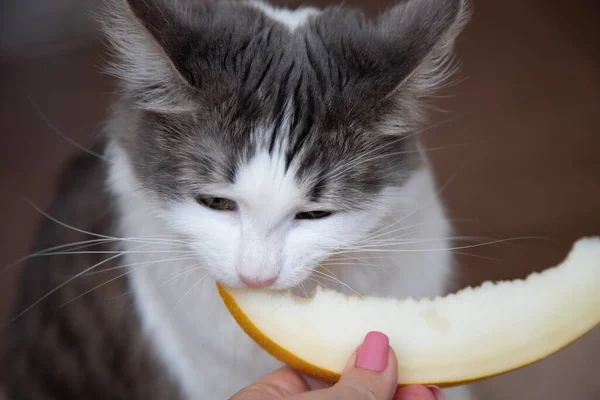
(371, 374)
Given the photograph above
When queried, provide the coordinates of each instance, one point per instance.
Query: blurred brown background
(519, 134)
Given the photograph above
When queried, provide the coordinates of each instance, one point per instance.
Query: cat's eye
(217, 203)
(314, 214)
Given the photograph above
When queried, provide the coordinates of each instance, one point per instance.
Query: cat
(249, 145)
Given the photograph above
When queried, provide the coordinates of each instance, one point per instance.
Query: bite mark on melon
(471, 335)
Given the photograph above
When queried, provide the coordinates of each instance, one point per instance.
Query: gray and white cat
(249, 145)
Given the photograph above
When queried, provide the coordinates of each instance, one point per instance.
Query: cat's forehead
(262, 62)
(292, 93)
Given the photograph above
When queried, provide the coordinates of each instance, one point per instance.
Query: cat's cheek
(301, 254)
(297, 269)
(213, 237)
(219, 261)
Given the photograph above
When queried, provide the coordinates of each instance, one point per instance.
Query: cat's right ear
(152, 41)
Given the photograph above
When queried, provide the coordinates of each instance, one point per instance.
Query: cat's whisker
(197, 267)
(479, 256)
(73, 228)
(190, 290)
(82, 245)
(71, 279)
(75, 253)
(481, 239)
(336, 263)
(386, 231)
(381, 253)
(165, 260)
(353, 265)
(61, 134)
(318, 282)
(119, 277)
(352, 260)
(406, 233)
(433, 198)
(301, 286)
(93, 242)
(400, 241)
(433, 249)
(333, 278)
(95, 288)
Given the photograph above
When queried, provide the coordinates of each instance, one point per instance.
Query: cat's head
(270, 138)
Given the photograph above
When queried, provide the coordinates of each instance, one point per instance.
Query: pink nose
(255, 283)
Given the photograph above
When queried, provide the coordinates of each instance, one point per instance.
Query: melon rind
(471, 335)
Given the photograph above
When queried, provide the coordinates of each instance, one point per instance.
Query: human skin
(371, 374)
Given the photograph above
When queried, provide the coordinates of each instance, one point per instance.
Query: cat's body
(320, 120)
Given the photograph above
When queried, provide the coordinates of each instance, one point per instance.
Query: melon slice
(471, 335)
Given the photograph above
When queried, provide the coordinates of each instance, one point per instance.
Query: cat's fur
(284, 112)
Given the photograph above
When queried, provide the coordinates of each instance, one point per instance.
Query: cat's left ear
(417, 39)
(407, 48)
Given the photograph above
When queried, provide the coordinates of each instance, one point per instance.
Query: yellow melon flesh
(464, 337)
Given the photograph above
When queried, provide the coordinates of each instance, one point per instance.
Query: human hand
(371, 374)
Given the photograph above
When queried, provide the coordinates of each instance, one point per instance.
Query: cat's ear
(153, 41)
(408, 47)
(418, 37)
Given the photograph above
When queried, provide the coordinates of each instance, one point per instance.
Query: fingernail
(373, 352)
(437, 392)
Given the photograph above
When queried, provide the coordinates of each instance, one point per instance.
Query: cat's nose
(256, 282)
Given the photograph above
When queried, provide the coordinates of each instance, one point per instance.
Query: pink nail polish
(437, 392)
(373, 352)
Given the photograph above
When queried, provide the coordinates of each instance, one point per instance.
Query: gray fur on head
(209, 83)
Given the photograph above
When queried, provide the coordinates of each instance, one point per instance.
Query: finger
(371, 374)
(419, 393)
(315, 384)
(276, 386)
